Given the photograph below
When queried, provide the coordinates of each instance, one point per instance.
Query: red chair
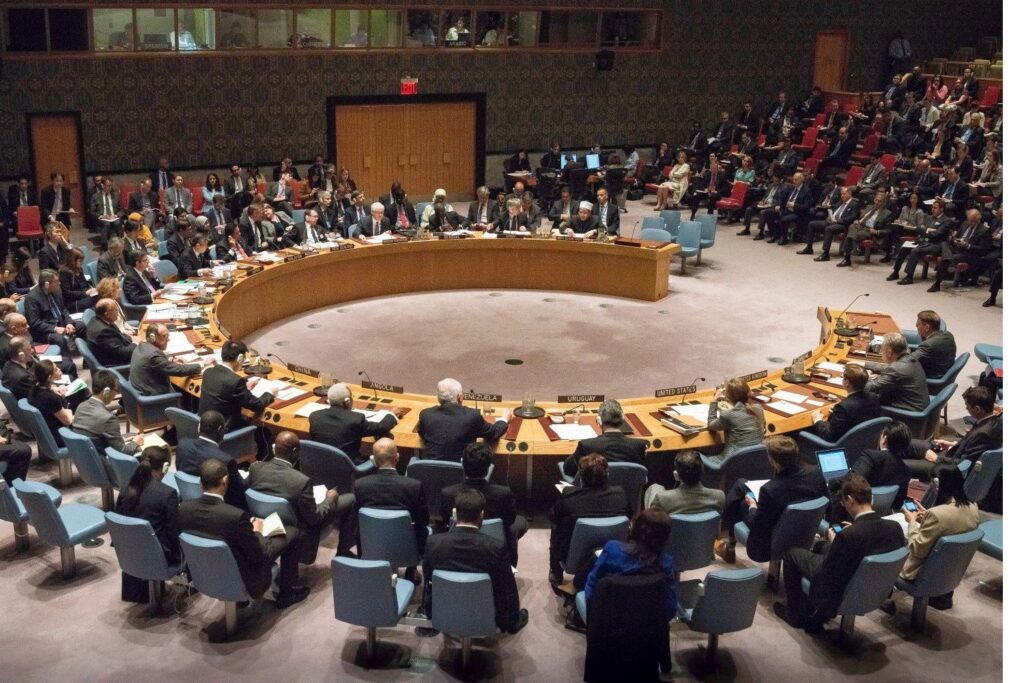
(734, 202)
(867, 245)
(297, 194)
(819, 120)
(126, 194)
(761, 139)
(652, 188)
(867, 149)
(991, 97)
(30, 227)
(811, 165)
(261, 188)
(638, 173)
(849, 107)
(934, 260)
(889, 162)
(197, 200)
(809, 141)
(854, 175)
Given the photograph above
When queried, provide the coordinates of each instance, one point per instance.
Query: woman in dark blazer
(79, 294)
(24, 280)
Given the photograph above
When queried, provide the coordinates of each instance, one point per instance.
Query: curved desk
(284, 289)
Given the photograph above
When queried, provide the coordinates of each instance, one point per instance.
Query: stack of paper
(319, 493)
(789, 397)
(786, 407)
(754, 485)
(160, 310)
(178, 343)
(310, 408)
(696, 413)
(285, 391)
(374, 415)
(572, 432)
(834, 367)
(273, 526)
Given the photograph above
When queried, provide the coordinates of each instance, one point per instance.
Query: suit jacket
(868, 535)
(277, 477)
(465, 549)
(840, 150)
(936, 354)
(291, 170)
(192, 453)
(901, 384)
(136, 201)
(97, 204)
(983, 436)
(227, 393)
(785, 488)
(44, 313)
(688, 500)
(979, 244)
(612, 219)
(940, 520)
(18, 379)
(211, 517)
(488, 215)
(576, 502)
(344, 429)
(883, 468)
(803, 200)
(50, 257)
(48, 198)
(923, 183)
(151, 370)
(365, 226)
(448, 428)
(92, 419)
(614, 446)
(935, 230)
(506, 221)
(108, 266)
(273, 188)
(110, 345)
(391, 213)
(955, 196)
(225, 217)
(14, 199)
(551, 160)
(158, 505)
(154, 177)
(499, 503)
(232, 185)
(849, 213)
(858, 407)
(389, 490)
(171, 196)
(191, 263)
(453, 218)
(134, 287)
(557, 209)
(351, 215)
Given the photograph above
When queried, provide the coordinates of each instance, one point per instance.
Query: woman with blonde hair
(742, 423)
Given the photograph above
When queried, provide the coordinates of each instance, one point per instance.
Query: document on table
(160, 310)
(378, 239)
(153, 439)
(786, 407)
(789, 397)
(173, 297)
(319, 493)
(490, 235)
(834, 367)
(178, 343)
(698, 413)
(573, 432)
(373, 415)
(838, 381)
(754, 485)
(285, 392)
(310, 408)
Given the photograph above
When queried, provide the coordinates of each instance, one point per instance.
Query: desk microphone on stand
(694, 382)
(370, 382)
(842, 328)
(274, 355)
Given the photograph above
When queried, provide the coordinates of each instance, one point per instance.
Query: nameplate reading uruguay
(753, 376)
(380, 386)
(299, 370)
(675, 391)
(488, 398)
(801, 358)
(581, 398)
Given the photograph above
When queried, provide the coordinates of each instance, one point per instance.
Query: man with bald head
(151, 370)
(107, 342)
(279, 477)
(446, 429)
(340, 426)
(389, 490)
(16, 325)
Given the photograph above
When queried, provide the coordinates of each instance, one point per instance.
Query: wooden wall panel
(55, 148)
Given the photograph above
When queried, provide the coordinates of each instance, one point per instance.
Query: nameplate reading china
(801, 358)
(754, 375)
(581, 398)
(380, 386)
(300, 370)
(675, 391)
(490, 398)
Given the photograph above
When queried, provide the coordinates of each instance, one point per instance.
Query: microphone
(693, 382)
(842, 329)
(635, 226)
(370, 382)
(476, 401)
(274, 355)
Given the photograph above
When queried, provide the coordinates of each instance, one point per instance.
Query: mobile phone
(910, 505)
(752, 495)
(837, 528)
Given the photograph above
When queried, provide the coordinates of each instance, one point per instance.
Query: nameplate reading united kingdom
(380, 386)
(801, 358)
(490, 398)
(300, 370)
(754, 375)
(675, 391)
(581, 398)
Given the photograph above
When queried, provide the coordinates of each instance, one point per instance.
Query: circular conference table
(265, 292)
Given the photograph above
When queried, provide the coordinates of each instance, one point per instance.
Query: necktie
(177, 199)
(145, 279)
(967, 235)
(839, 211)
(376, 228)
(402, 218)
(949, 192)
(869, 219)
(54, 310)
(107, 204)
(24, 198)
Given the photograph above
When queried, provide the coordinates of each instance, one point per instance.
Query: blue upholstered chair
(982, 475)
(749, 462)
(140, 555)
(263, 505)
(364, 596)
(727, 605)
(90, 360)
(941, 572)
(12, 510)
(215, 574)
(992, 541)
(435, 476)
(329, 466)
(868, 589)
(653, 223)
(589, 535)
(689, 240)
(708, 230)
(11, 404)
(692, 540)
(672, 218)
(922, 423)
(936, 385)
(865, 435)
(241, 443)
(188, 485)
(47, 445)
(795, 529)
(64, 527)
(882, 498)
(631, 476)
(388, 535)
(655, 234)
(463, 607)
(165, 270)
(145, 413)
(91, 274)
(986, 353)
(122, 466)
(90, 465)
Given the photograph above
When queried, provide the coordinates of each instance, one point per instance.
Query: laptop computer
(593, 161)
(833, 464)
(566, 158)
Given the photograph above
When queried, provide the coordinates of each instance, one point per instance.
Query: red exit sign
(409, 86)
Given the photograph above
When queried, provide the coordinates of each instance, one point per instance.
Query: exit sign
(409, 85)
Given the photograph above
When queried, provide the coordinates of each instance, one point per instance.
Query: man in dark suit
(178, 196)
(55, 201)
(465, 549)
(838, 217)
(286, 166)
(151, 369)
(219, 216)
(55, 251)
(111, 263)
(791, 483)
(17, 376)
(553, 159)
(399, 212)
(900, 381)
(224, 391)
(195, 260)
(163, 177)
(140, 284)
(721, 137)
(499, 501)
(564, 208)
(985, 434)
(606, 213)
(234, 183)
(342, 427)
(937, 351)
(893, 93)
(279, 477)
(373, 225)
(211, 517)
(447, 428)
(279, 193)
(874, 223)
(594, 498)
(710, 186)
(16, 325)
(832, 566)
(192, 453)
(612, 444)
(839, 151)
(858, 406)
(697, 141)
(389, 490)
(443, 218)
(513, 219)
(145, 202)
(796, 207)
(354, 213)
(930, 238)
(110, 345)
(483, 213)
(954, 191)
(48, 320)
(21, 194)
(971, 85)
(969, 244)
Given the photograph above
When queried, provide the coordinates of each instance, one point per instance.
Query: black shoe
(298, 594)
(934, 288)
(770, 240)
(412, 575)
(523, 620)
(745, 231)
(556, 580)
(906, 281)
(845, 263)
(426, 632)
(892, 276)
(805, 251)
(889, 607)
(758, 237)
(782, 612)
(886, 259)
(823, 257)
(989, 302)
(941, 602)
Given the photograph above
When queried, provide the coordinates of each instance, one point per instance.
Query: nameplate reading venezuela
(675, 391)
(298, 369)
(801, 358)
(581, 398)
(488, 398)
(380, 386)
(754, 375)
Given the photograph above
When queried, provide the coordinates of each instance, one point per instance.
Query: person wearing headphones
(227, 393)
(151, 370)
(342, 427)
(447, 428)
(94, 420)
(192, 453)
(49, 398)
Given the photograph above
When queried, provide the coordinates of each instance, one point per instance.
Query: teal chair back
(186, 424)
(883, 497)
(797, 526)
(652, 223)
(872, 582)
(88, 461)
(708, 224)
(213, 568)
(692, 539)
(41, 431)
(728, 603)
(631, 476)
(363, 594)
(388, 535)
(463, 604)
(982, 475)
(945, 565)
(655, 235)
(435, 475)
(326, 465)
(589, 535)
(189, 487)
(263, 505)
(122, 466)
(91, 273)
(689, 237)
(672, 218)
(138, 550)
(165, 270)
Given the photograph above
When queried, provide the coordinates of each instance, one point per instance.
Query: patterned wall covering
(212, 111)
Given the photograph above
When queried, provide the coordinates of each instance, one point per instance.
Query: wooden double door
(425, 146)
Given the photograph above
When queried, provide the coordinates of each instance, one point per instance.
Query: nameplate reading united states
(581, 398)
(675, 391)
(380, 386)
(754, 375)
(491, 398)
(298, 369)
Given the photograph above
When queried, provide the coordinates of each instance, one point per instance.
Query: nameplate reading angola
(380, 386)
